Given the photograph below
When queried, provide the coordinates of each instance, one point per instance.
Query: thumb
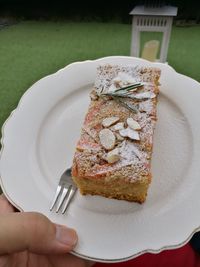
(34, 232)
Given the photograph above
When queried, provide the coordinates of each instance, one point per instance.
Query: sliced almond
(119, 137)
(128, 132)
(118, 126)
(109, 121)
(133, 124)
(107, 139)
(122, 83)
(131, 80)
(123, 132)
(123, 79)
(145, 95)
(132, 134)
(117, 79)
(113, 156)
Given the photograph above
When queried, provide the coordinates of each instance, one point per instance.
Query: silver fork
(65, 191)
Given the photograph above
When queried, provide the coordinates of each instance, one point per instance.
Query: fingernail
(66, 235)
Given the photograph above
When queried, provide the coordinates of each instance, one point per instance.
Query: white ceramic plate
(38, 144)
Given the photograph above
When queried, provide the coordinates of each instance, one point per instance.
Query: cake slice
(113, 155)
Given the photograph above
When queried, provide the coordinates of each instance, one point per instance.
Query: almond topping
(133, 124)
(128, 132)
(113, 156)
(118, 126)
(107, 139)
(123, 133)
(109, 121)
(119, 137)
(132, 134)
(145, 95)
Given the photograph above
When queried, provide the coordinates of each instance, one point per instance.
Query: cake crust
(129, 176)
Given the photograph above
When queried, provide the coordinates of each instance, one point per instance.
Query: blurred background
(104, 11)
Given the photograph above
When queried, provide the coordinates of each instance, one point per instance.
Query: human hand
(29, 239)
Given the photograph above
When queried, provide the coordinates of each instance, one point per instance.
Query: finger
(34, 232)
(5, 206)
(69, 260)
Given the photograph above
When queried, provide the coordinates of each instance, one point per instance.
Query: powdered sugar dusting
(130, 153)
(134, 153)
(107, 73)
(106, 77)
(146, 106)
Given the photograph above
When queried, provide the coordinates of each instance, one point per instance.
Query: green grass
(31, 50)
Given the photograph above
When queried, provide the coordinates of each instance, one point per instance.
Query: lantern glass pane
(150, 44)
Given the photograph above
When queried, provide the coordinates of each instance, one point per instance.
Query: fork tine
(69, 198)
(58, 190)
(62, 198)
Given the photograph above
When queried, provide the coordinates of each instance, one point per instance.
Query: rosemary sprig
(123, 92)
(131, 96)
(131, 107)
(115, 94)
(129, 87)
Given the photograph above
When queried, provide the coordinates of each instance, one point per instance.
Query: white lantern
(152, 19)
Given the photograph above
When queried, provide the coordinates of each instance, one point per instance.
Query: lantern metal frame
(146, 19)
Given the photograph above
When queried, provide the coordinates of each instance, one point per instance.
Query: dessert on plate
(113, 155)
